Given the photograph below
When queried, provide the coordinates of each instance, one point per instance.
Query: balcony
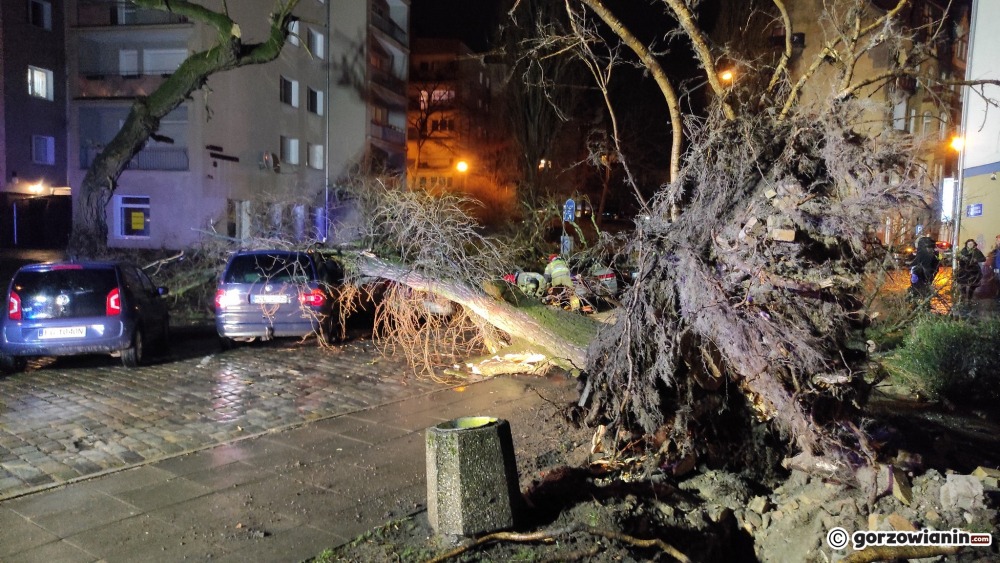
(104, 13)
(388, 81)
(152, 158)
(387, 133)
(389, 27)
(97, 84)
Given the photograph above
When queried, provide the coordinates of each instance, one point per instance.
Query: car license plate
(63, 332)
(270, 299)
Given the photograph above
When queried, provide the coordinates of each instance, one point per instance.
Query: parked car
(70, 308)
(263, 294)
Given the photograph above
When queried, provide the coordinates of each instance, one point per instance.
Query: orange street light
(727, 76)
(957, 143)
(462, 166)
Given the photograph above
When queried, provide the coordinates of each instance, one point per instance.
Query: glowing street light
(462, 166)
(727, 76)
(957, 143)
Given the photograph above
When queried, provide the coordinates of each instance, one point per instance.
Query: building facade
(923, 110)
(452, 135)
(34, 200)
(978, 205)
(257, 151)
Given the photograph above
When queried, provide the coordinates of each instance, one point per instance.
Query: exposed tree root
(889, 553)
(549, 536)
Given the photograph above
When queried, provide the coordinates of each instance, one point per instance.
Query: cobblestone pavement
(70, 418)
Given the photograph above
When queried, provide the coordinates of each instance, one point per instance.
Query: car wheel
(12, 364)
(226, 343)
(330, 331)
(133, 355)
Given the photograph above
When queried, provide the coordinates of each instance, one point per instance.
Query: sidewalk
(283, 496)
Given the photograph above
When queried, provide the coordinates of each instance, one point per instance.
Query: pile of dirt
(583, 508)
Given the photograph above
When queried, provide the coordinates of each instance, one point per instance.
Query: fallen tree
(750, 259)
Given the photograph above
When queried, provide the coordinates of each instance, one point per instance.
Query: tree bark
(558, 333)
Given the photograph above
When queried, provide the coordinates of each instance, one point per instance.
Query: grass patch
(956, 359)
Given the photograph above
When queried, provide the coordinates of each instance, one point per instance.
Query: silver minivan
(263, 294)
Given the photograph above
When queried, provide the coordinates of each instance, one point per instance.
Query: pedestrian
(970, 272)
(924, 267)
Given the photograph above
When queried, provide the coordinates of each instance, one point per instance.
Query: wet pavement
(280, 495)
(72, 418)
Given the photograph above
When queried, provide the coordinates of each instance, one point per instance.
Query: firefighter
(557, 272)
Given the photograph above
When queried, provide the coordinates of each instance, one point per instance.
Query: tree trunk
(560, 334)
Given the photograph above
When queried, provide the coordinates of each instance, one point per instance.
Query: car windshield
(64, 293)
(283, 267)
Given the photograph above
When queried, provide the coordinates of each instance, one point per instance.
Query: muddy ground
(584, 508)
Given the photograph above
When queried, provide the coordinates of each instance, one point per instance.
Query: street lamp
(727, 76)
(958, 144)
(463, 168)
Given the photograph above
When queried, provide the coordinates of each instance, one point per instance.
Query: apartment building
(259, 150)
(928, 112)
(34, 202)
(448, 137)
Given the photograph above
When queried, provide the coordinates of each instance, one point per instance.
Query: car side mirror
(162, 291)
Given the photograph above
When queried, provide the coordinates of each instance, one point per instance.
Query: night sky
(473, 21)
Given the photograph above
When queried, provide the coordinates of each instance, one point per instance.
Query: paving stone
(74, 417)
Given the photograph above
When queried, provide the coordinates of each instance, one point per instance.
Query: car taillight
(113, 303)
(226, 298)
(14, 306)
(314, 298)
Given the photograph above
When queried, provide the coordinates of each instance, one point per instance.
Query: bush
(951, 358)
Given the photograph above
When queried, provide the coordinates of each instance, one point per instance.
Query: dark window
(283, 267)
(65, 293)
(40, 13)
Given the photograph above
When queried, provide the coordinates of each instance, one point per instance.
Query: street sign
(566, 245)
(974, 210)
(569, 210)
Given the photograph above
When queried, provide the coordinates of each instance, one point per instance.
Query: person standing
(970, 272)
(924, 267)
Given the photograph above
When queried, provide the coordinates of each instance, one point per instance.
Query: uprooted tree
(90, 229)
(751, 258)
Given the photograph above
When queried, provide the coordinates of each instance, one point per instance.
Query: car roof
(70, 265)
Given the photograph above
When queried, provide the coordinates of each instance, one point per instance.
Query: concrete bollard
(472, 484)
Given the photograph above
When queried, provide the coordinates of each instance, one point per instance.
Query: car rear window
(64, 293)
(283, 267)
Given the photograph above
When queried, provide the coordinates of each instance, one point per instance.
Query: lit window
(132, 216)
(317, 44)
(43, 149)
(290, 92)
(289, 150)
(40, 82)
(40, 13)
(315, 156)
(315, 101)
(442, 96)
(293, 32)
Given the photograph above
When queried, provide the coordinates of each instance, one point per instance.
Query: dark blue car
(70, 308)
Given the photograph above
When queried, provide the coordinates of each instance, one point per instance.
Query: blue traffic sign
(569, 210)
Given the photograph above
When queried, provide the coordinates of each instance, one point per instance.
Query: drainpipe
(960, 190)
(326, 125)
